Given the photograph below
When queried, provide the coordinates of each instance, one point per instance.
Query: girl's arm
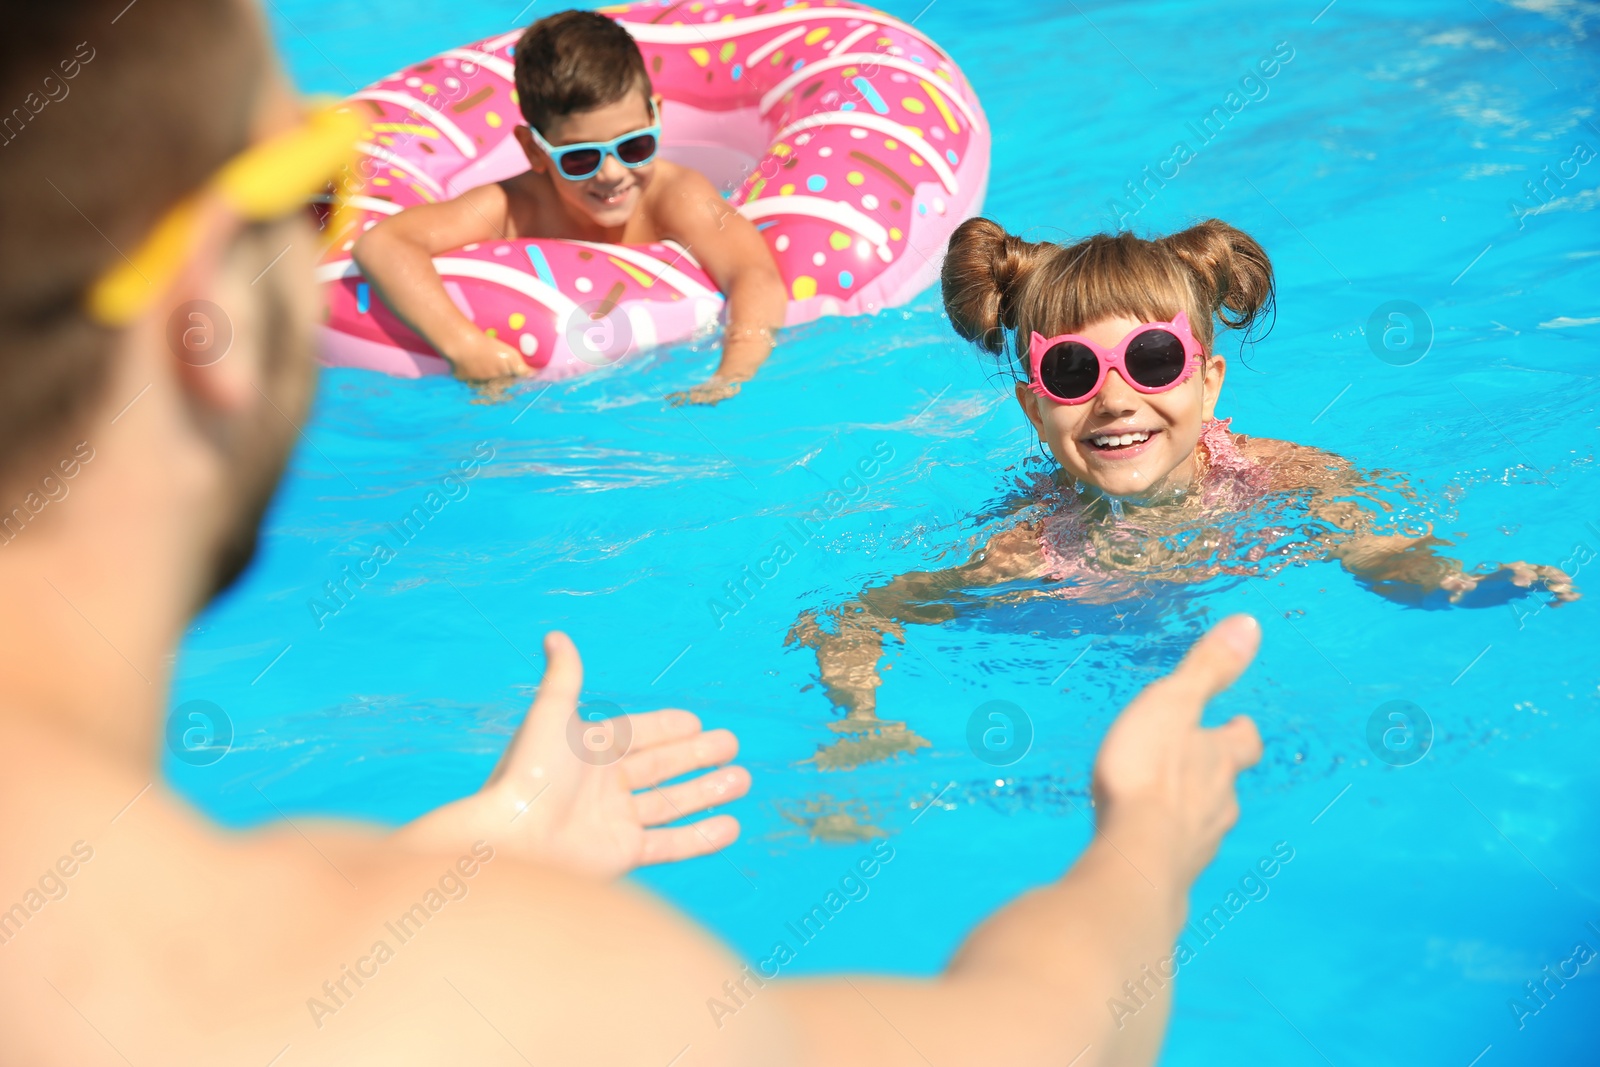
(848, 656)
(1408, 570)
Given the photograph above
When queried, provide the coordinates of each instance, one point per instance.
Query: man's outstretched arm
(1031, 985)
(347, 946)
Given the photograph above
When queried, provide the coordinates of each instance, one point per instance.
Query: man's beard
(263, 451)
(237, 550)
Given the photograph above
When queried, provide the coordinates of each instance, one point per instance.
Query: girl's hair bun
(1230, 270)
(984, 269)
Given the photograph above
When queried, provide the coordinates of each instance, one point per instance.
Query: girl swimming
(1117, 373)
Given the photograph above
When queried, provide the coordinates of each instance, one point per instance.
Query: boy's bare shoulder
(674, 179)
(519, 199)
(679, 192)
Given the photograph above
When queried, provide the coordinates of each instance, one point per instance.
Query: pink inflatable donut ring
(852, 142)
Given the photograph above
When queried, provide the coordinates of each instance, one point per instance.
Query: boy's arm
(397, 258)
(731, 250)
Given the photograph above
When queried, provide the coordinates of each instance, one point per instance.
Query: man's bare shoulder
(176, 941)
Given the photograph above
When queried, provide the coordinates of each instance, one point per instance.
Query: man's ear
(1029, 402)
(1215, 370)
(210, 321)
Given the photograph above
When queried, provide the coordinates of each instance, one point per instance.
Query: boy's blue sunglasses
(578, 162)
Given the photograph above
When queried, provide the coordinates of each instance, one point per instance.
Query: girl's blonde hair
(996, 285)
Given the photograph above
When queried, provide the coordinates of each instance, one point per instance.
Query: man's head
(159, 97)
(580, 78)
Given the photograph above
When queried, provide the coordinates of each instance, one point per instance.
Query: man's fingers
(686, 842)
(651, 728)
(1241, 741)
(723, 786)
(647, 766)
(1216, 660)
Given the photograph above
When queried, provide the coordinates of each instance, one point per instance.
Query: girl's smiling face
(1162, 430)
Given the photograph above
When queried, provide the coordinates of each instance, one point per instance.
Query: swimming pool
(1382, 162)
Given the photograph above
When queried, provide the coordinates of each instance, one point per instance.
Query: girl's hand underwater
(1473, 587)
(586, 796)
(1410, 571)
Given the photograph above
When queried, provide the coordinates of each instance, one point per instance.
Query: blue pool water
(1379, 164)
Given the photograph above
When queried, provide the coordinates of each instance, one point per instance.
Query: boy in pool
(591, 140)
(1117, 374)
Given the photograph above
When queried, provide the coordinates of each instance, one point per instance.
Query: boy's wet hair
(998, 286)
(575, 61)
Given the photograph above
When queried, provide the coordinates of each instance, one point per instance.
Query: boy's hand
(1163, 784)
(556, 798)
(477, 357)
(715, 391)
(397, 254)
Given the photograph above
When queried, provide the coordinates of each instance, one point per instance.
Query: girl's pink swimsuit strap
(1223, 457)
(1231, 480)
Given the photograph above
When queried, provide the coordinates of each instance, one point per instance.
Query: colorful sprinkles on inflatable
(852, 142)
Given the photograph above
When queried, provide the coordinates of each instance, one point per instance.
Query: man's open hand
(587, 796)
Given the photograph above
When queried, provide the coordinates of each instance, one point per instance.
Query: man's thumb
(563, 673)
(553, 705)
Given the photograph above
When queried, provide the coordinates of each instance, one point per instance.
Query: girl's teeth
(1121, 440)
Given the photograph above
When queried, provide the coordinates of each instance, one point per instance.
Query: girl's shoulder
(1292, 465)
(1013, 552)
(1264, 449)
